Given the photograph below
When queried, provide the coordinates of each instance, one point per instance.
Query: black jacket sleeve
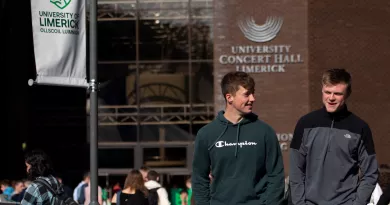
(368, 166)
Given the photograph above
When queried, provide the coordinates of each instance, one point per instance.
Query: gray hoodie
(326, 154)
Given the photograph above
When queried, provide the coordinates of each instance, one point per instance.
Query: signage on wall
(284, 140)
(259, 56)
(261, 33)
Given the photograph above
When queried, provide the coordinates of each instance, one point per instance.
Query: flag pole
(93, 101)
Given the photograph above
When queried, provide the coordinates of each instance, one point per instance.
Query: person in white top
(376, 194)
(78, 189)
(152, 183)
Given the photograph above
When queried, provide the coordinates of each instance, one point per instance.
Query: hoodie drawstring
(212, 145)
(237, 139)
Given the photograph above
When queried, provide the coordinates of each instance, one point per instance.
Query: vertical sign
(59, 42)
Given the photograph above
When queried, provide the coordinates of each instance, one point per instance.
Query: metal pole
(94, 102)
(190, 64)
(138, 154)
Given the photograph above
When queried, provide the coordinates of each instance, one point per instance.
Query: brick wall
(355, 35)
(281, 97)
(327, 34)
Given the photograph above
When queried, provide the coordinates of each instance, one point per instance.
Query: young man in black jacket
(329, 147)
(242, 151)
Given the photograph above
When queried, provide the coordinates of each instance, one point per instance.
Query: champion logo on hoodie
(220, 144)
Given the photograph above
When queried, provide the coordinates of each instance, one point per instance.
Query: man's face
(242, 101)
(87, 179)
(188, 184)
(334, 96)
(19, 187)
(28, 166)
(3, 187)
(144, 175)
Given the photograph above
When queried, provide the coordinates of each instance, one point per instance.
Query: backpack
(59, 198)
(153, 196)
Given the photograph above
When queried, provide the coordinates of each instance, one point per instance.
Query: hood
(152, 184)
(249, 118)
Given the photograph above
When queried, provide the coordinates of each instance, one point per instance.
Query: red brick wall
(281, 97)
(355, 35)
(351, 34)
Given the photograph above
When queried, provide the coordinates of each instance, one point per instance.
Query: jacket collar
(340, 114)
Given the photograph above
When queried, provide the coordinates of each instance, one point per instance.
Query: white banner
(59, 42)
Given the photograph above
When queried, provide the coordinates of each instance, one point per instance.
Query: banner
(59, 42)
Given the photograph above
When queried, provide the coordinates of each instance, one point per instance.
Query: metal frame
(141, 145)
(166, 114)
(127, 10)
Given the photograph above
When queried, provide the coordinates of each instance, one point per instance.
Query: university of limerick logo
(261, 33)
(60, 3)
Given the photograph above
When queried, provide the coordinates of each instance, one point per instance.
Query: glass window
(163, 30)
(164, 101)
(116, 158)
(172, 96)
(201, 30)
(165, 157)
(203, 95)
(117, 107)
(116, 32)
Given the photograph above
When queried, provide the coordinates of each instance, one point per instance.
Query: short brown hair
(337, 75)
(153, 175)
(231, 81)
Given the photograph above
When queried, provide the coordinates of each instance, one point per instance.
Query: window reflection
(116, 158)
(163, 39)
(165, 157)
(156, 68)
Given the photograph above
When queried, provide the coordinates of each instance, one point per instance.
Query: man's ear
(229, 98)
(158, 179)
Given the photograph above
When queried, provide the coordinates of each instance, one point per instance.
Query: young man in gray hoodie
(329, 147)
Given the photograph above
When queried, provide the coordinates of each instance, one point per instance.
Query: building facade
(161, 62)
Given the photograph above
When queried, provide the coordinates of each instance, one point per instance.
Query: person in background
(117, 187)
(85, 194)
(39, 167)
(189, 190)
(17, 195)
(134, 191)
(67, 189)
(144, 171)
(376, 194)
(184, 197)
(385, 197)
(79, 188)
(153, 186)
(7, 189)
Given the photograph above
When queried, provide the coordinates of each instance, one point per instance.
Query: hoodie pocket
(233, 191)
